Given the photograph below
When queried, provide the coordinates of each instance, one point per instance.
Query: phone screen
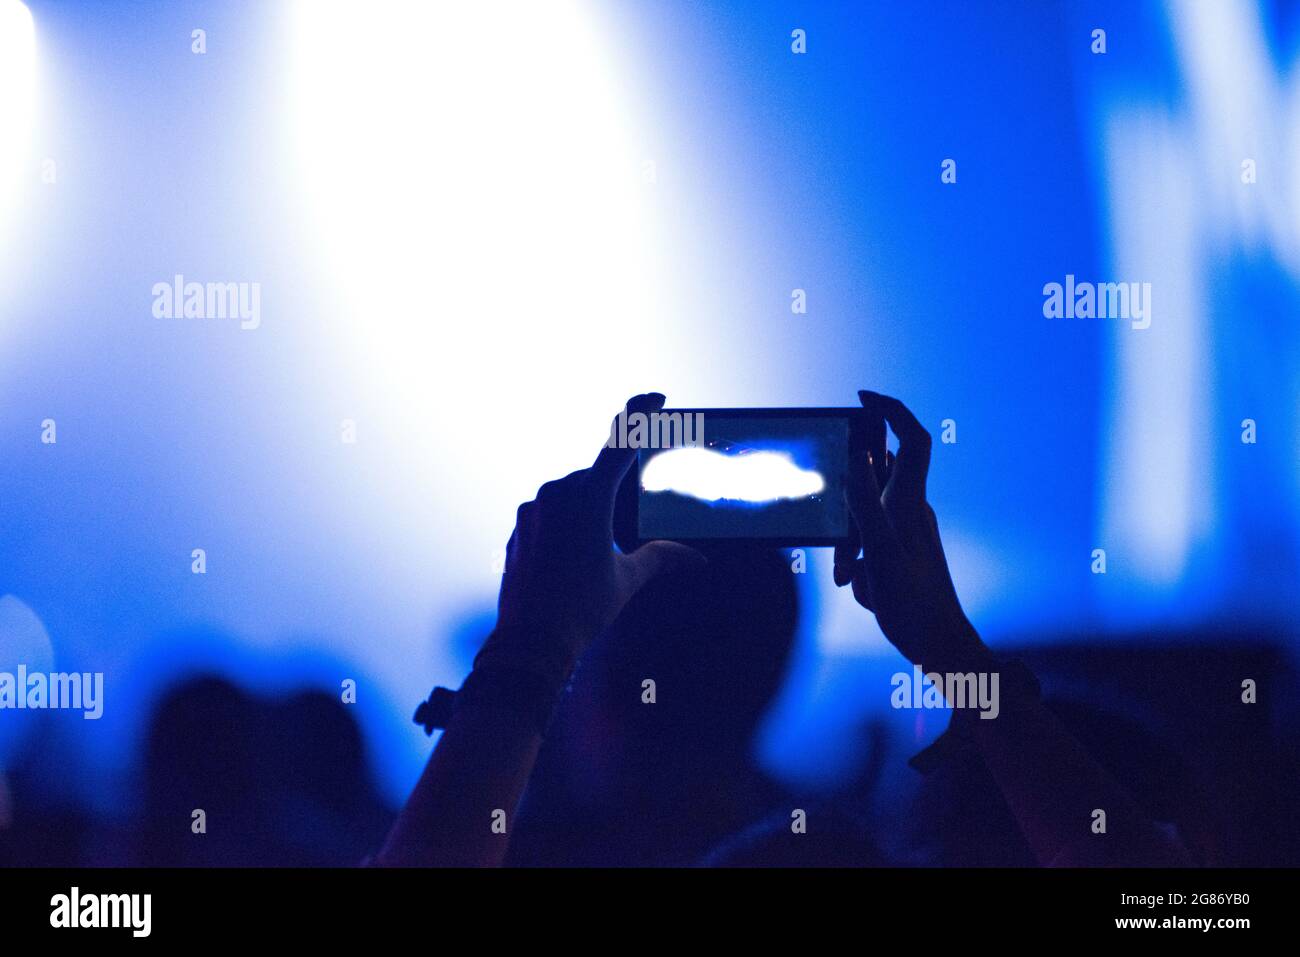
(771, 476)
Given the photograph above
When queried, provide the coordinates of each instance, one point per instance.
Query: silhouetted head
(672, 693)
(649, 759)
(278, 782)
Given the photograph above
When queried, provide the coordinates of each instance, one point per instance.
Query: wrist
(955, 646)
(500, 690)
(539, 650)
(509, 697)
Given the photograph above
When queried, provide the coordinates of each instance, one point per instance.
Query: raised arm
(900, 572)
(563, 584)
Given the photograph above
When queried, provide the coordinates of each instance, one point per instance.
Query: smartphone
(767, 477)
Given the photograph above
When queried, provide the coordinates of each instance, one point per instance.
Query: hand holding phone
(896, 564)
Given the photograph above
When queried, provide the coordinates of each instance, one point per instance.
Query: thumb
(657, 558)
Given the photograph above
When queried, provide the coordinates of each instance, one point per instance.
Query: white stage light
(17, 108)
(477, 177)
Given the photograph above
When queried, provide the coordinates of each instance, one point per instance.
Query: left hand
(563, 581)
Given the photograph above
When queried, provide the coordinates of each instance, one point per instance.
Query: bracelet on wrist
(516, 692)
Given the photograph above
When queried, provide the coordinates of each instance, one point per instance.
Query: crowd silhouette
(610, 717)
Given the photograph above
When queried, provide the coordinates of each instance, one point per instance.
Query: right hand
(902, 574)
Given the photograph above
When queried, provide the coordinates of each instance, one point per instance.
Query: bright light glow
(474, 179)
(1153, 496)
(713, 476)
(17, 105)
(1180, 222)
(491, 282)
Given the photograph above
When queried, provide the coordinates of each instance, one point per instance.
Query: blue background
(775, 171)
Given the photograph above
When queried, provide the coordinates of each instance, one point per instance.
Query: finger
(522, 534)
(862, 585)
(863, 497)
(845, 554)
(657, 558)
(912, 464)
(559, 493)
(613, 462)
(523, 516)
(511, 551)
(880, 577)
